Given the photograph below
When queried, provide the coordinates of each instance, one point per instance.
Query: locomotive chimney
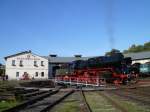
(53, 55)
(78, 56)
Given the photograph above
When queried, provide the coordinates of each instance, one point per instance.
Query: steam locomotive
(114, 68)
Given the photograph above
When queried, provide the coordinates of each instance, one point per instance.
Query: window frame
(36, 74)
(13, 63)
(35, 64)
(17, 74)
(42, 63)
(21, 63)
(42, 74)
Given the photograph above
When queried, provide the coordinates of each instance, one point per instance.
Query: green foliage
(70, 104)
(138, 48)
(7, 104)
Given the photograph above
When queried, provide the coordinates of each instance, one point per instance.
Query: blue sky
(68, 27)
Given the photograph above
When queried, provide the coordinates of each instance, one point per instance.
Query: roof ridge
(23, 52)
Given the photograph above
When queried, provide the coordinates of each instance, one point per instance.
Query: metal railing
(86, 81)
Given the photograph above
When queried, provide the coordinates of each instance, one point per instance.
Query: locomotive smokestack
(110, 22)
(78, 56)
(53, 55)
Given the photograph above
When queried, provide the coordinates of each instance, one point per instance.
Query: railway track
(139, 92)
(112, 102)
(135, 95)
(145, 89)
(113, 105)
(26, 94)
(41, 103)
(86, 107)
(99, 102)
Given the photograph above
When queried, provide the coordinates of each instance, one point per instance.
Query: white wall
(28, 66)
(141, 61)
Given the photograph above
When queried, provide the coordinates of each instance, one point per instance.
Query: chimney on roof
(53, 55)
(78, 56)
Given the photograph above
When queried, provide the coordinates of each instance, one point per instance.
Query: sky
(68, 27)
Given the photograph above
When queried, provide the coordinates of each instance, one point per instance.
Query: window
(35, 63)
(13, 63)
(17, 74)
(21, 63)
(42, 63)
(36, 74)
(42, 74)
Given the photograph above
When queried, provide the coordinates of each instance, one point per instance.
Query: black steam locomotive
(112, 67)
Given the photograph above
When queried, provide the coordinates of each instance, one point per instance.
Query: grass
(71, 104)
(68, 107)
(130, 106)
(99, 103)
(7, 104)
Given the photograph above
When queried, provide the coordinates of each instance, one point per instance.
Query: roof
(139, 55)
(20, 53)
(24, 52)
(64, 59)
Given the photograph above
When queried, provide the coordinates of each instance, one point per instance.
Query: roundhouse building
(140, 57)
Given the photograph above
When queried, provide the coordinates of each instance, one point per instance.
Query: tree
(132, 48)
(138, 48)
(147, 46)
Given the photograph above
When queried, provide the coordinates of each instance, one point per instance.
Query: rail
(87, 106)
